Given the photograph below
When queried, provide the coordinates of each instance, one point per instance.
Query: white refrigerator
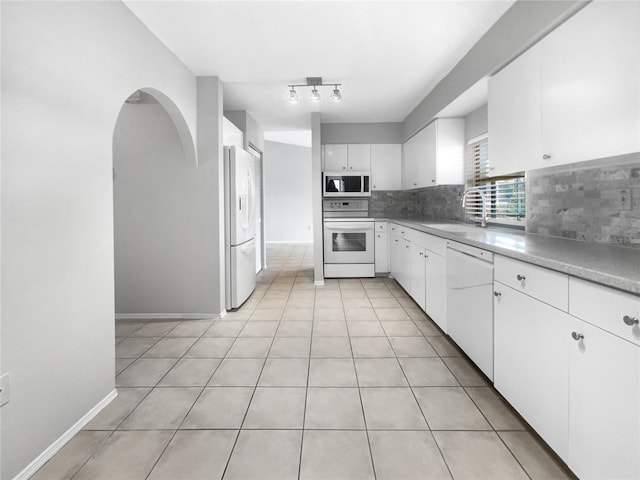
(240, 228)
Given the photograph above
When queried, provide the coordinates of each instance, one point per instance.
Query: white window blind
(505, 195)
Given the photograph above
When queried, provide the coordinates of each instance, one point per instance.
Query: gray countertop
(617, 267)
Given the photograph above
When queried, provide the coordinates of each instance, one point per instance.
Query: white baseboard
(52, 449)
(168, 316)
(318, 283)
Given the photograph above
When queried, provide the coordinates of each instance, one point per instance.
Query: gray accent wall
(361, 133)
(596, 201)
(525, 23)
(158, 216)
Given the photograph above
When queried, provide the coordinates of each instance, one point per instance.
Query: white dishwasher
(470, 302)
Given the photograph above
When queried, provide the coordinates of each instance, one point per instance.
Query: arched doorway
(155, 190)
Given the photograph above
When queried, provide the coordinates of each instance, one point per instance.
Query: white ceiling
(388, 55)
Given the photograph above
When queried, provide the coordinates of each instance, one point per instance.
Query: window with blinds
(505, 195)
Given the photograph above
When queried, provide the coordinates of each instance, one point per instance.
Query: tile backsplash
(431, 203)
(596, 201)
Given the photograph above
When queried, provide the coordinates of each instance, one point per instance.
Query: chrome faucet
(483, 222)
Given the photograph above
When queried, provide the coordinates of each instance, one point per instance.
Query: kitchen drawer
(430, 242)
(381, 226)
(606, 308)
(399, 230)
(545, 285)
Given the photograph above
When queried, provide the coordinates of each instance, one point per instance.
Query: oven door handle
(349, 229)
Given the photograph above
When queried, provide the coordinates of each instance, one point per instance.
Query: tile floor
(345, 381)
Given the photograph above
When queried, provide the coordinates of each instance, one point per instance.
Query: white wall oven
(348, 239)
(346, 184)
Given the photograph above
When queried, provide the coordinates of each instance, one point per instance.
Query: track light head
(293, 95)
(314, 96)
(336, 96)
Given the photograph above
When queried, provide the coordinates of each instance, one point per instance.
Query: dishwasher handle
(470, 251)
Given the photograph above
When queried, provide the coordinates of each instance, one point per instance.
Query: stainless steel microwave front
(352, 184)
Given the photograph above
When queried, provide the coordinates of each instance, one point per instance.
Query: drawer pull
(497, 294)
(421, 254)
(521, 278)
(577, 336)
(631, 321)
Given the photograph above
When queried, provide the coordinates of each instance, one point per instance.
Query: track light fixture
(314, 95)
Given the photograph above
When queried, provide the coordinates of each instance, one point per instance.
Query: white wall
(67, 67)
(287, 194)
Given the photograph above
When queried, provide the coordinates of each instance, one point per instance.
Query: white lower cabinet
(573, 375)
(399, 258)
(417, 261)
(381, 247)
(604, 404)
(436, 288)
(417, 265)
(531, 364)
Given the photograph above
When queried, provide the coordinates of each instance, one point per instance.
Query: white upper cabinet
(386, 166)
(590, 80)
(359, 157)
(335, 158)
(572, 97)
(434, 155)
(343, 157)
(514, 116)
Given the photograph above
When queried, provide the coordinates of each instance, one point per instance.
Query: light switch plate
(4, 389)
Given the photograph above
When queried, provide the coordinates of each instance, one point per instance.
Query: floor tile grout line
(89, 457)
(246, 412)
(364, 418)
(306, 396)
(424, 416)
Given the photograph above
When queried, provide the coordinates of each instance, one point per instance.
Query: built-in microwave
(352, 184)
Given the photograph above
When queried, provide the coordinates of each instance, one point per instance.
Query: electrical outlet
(4, 389)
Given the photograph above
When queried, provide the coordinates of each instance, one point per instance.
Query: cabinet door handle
(520, 278)
(344, 168)
(497, 294)
(577, 336)
(421, 254)
(378, 235)
(631, 321)
(546, 156)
